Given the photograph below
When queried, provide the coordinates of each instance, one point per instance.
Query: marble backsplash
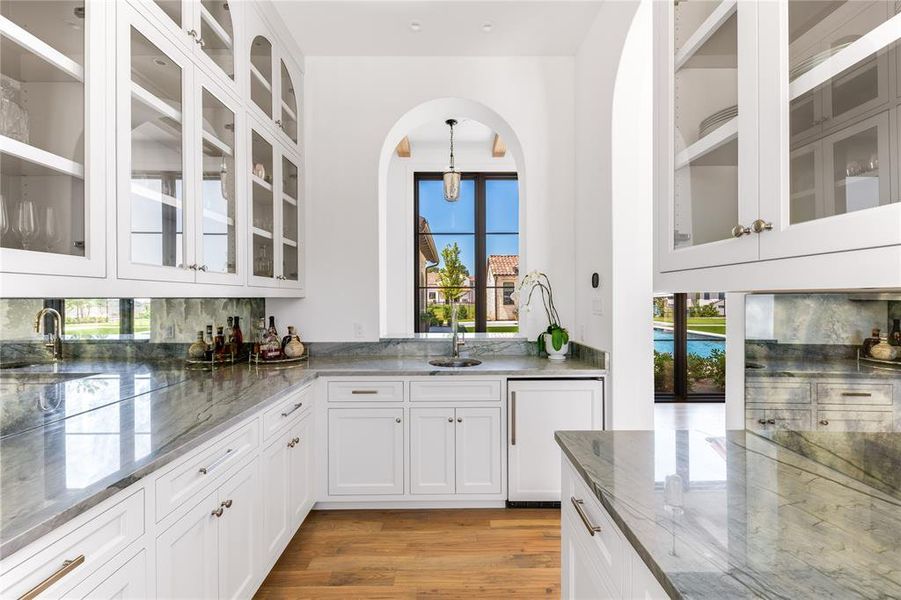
(817, 319)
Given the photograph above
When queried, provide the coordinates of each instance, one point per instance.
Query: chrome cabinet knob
(771, 421)
(761, 421)
(450, 419)
(201, 268)
(397, 420)
(218, 512)
(759, 226)
(824, 421)
(740, 230)
(227, 503)
(459, 419)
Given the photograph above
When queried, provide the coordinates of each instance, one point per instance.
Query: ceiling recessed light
(487, 26)
(415, 26)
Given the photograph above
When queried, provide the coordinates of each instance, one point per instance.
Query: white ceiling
(447, 27)
(467, 131)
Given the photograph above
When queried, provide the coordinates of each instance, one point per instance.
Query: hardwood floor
(459, 553)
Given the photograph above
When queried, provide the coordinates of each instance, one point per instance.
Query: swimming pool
(698, 343)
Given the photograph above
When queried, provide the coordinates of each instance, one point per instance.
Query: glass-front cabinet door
(52, 137)
(291, 209)
(154, 104)
(709, 178)
(830, 94)
(263, 208)
(288, 122)
(218, 244)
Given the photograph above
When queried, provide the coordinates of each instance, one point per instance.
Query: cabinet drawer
(88, 547)
(786, 418)
(455, 391)
(283, 413)
(854, 420)
(855, 393)
(189, 477)
(605, 542)
(366, 391)
(779, 392)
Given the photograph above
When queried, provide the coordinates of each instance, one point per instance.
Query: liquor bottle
(210, 342)
(895, 337)
(238, 335)
(220, 341)
(870, 341)
(273, 342)
(259, 346)
(291, 344)
(229, 336)
(197, 350)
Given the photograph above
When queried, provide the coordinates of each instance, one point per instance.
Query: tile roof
(503, 264)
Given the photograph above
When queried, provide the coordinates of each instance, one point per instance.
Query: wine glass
(26, 223)
(51, 228)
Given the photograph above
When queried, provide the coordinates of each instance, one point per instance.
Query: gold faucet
(55, 343)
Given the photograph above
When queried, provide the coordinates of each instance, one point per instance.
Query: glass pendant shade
(451, 186)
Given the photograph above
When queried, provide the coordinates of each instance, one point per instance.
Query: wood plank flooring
(460, 553)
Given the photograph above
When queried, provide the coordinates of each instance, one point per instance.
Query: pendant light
(451, 176)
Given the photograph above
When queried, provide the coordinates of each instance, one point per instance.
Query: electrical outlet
(358, 331)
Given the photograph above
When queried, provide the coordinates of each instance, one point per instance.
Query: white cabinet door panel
(301, 471)
(478, 441)
(537, 409)
(187, 564)
(432, 458)
(366, 451)
(274, 501)
(238, 534)
(128, 582)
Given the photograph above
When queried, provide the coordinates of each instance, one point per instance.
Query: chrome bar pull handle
(367, 392)
(296, 406)
(579, 505)
(857, 394)
(206, 470)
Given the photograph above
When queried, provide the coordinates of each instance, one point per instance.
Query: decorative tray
(254, 359)
(222, 360)
(878, 362)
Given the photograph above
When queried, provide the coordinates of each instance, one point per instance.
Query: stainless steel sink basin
(454, 362)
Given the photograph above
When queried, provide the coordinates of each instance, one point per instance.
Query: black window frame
(480, 242)
(680, 391)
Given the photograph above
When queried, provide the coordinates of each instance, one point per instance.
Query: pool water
(698, 343)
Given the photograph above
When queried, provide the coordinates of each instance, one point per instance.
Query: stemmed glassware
(52, 235)
(26, 223)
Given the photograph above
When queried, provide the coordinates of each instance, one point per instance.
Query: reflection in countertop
(818, 368)
(755, 520)
(114, 422)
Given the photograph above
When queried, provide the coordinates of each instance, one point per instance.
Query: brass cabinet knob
(227, 503)
(740, 230)
(459, 419)
(824, 421)
(771, 421)
(397, 420)
(761, 421)
(759, 226)
(218, 512)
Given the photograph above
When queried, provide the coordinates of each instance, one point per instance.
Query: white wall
(425, 157)
(352, 103)
(613, 210)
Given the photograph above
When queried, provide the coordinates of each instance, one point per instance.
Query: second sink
(454, 362)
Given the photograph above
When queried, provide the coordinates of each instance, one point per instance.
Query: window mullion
(481, 296)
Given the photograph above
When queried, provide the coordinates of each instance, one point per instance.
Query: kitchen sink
(454, 362)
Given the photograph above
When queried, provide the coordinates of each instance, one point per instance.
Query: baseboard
(533, 504)
(409, 504)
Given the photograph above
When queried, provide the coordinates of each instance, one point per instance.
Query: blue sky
(457, 219)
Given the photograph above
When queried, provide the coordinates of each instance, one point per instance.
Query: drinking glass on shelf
(52, 235)
(26, 223)
(4, 217)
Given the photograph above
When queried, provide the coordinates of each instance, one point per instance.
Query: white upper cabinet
(829, 88)
(52, 137)
(783, 119)
(206, 29)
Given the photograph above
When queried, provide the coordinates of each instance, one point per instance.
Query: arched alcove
(434, 111)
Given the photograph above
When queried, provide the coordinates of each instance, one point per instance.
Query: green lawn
(503, 328)
(104, 329)
(702, 324)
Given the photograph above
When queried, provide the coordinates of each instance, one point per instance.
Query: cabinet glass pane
(261, 74)
(218, 187)
(217, 34)
(288, 105)
(42, 98)
(705, 113)
(172, 8)
(289, 200)
(157, 161)
(847, 160)
(289, 262)
(262, 205)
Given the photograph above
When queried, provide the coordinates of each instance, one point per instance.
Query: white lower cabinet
(597, 561)
(455, 450)
(211, 552)
(365, 451)
(128, 582)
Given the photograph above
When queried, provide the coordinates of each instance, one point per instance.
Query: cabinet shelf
(882, 36)
(260, 78)
(707, 144)
(215, 26)
(288, 111)
(261, 182)
(36, 156)
(40, 48)
(288, 242)
(216, 144)
(261, 232)
(705, 31)
(289, 200)
(149, 99)
(153, 196)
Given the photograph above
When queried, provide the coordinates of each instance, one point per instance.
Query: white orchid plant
(522, 296)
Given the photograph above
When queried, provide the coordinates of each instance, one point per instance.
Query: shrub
(663, 371)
